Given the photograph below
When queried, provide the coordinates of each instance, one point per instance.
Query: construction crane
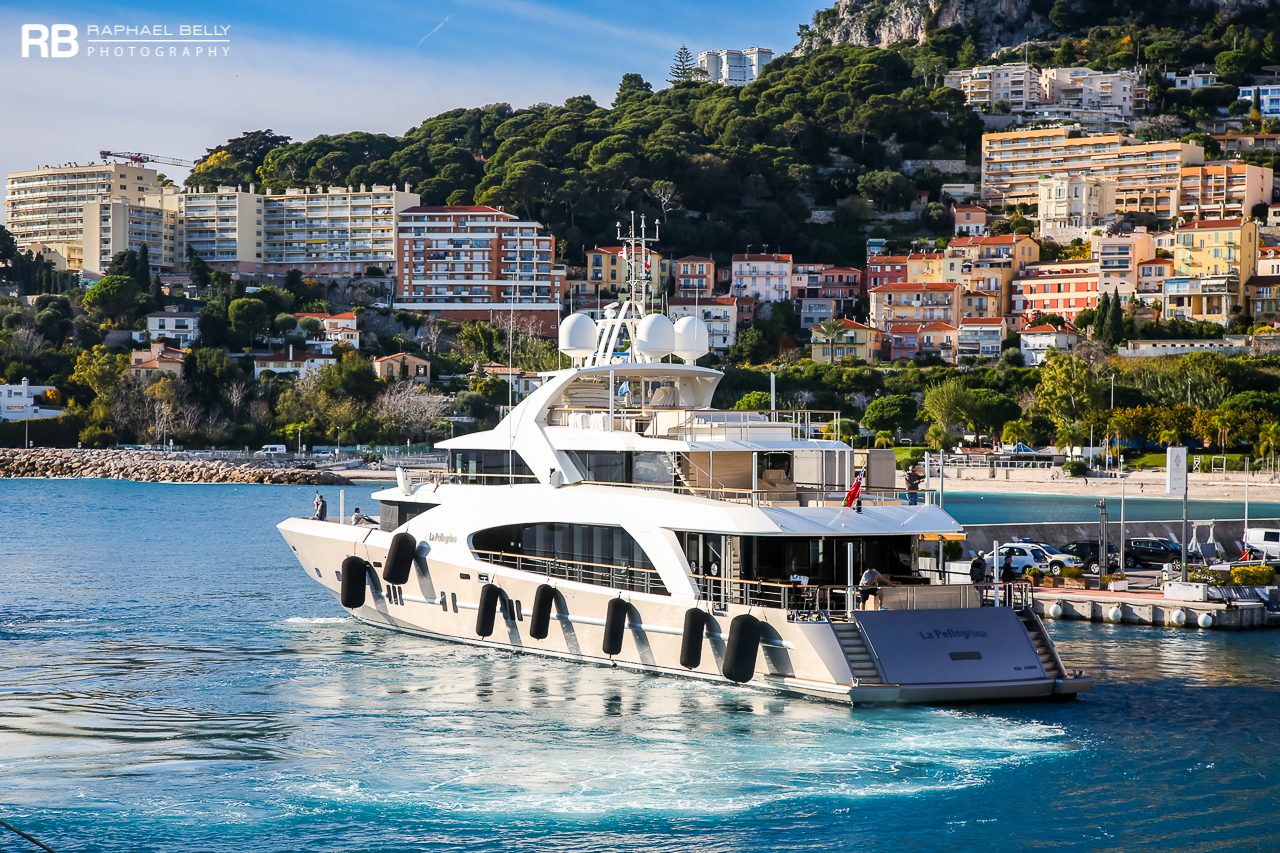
(135, 157)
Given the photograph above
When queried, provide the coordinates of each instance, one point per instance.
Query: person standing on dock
(322, 508)
(913, 485)
(1007, 576)
(978, 571)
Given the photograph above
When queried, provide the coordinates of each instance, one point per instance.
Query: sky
(303, 68)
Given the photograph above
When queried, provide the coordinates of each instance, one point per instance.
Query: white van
(272, 450)
(1265, 540)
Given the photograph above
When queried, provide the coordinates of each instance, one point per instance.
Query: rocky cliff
(150, 468)
(994, 23)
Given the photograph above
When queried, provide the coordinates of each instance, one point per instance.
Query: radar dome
(578, 336)
(692, 339)
(655, 336)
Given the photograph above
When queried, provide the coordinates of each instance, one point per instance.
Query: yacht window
(632, 467)
(599, 554)
(488, 467)
(395, 513)
(824, 559)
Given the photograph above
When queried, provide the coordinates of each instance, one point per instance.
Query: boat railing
(692, 424)
(825, 602)
(802, 495)
(633, 578)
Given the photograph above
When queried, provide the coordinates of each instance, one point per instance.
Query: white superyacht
(613, 517)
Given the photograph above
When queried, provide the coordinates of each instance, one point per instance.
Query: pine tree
(1101, 319)
(142, 269)
(1115, 321)
(683, 67)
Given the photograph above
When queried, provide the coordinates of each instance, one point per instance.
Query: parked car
(1150, 553)
(1060, 559)
(1087, 551)
(1025, 556)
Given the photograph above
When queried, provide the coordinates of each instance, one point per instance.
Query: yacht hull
(441, 600)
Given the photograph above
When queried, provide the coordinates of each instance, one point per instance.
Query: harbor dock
(1143, 607)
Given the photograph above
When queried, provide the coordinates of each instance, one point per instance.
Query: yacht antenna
(623, 317)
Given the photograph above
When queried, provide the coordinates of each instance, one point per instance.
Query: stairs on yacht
(861, 664)
(1044, 646)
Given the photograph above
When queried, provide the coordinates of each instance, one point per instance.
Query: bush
(1075, 468)
(1112, 577)
(1252, 575)
(1205, 574)
(912, 457)
(1033, 572)
(1072, 572)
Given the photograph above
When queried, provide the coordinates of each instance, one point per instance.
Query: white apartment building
(117, 225)
(223, 227)
(21, 402)
(335, 230)
(475, 262)
(1014, 83)
(720, 313)
(1268, 98)
(1196, 78)
(734, 67)
(1119, 93)
(174, 324)
(46, 205)
(1070, 204)
(764, 277)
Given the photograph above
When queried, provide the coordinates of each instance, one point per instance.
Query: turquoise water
(976, 508)
(170, 680)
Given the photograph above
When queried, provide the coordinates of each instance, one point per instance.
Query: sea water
(171, 680)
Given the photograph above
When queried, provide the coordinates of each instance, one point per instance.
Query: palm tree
(1016, 432)
(1069, 436)
(1269, 442)
(827, 331)
(1168, 436)
(938, 437)
(884, 438)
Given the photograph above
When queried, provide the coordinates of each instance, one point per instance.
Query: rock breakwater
(153, 467)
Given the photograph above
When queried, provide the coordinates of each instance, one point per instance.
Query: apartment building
(223, 227)
(1069, 206)
(987, 265)
(337, 328)
(1037, 341)
(1013, 83)
(835, 292)
(607, 268)
(886, 269)
(764, 277)
(1267, 97)
(1117, 93)
(982, 337)
(1196, 78)
(1119, 257)
(23, 401)
(46, 205)
(1064, 288)
(854, 340)
(1268, 262)
(477, 263)
(117, 225)
(1223, 190)
(1147, 175)
(719, 313)
(1151, 276)
(333, 231)
(935, 339)
(919, 302)
(694, 276)
(969, 220)
(174, 324)
(734, 67)
(1213, 263)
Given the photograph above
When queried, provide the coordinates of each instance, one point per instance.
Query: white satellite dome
(692, 339)
(655, 336)
(578, 336)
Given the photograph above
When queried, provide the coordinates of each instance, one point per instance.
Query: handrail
(633, 578)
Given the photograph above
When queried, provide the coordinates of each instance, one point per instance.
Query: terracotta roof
(904, 328)
(693, 259)
(399, 355)
(831, 270)
(757, 257)
(854, 324)
(456, 208)
(1163, 261)
(913, 286)
(925, 256)
(1001, 240)
(1044, 329)
(981, 321)
(1211, 224)
(938, 326)
(712, 300)
(969, 207)
(887, 259)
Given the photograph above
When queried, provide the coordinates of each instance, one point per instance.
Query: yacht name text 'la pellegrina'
(614, 517)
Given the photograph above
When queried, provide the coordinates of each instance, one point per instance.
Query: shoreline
(47, 463)
(1138, 484)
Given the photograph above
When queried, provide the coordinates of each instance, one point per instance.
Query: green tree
(1115, 321)
(948, 403)
(682, 66)
(889, 189)
(1068, 389)
(1016, 432)
(893, 412)
(752, 401)
(1102, 320)
(197, 270)
(113, 298)
(989, 410)
(249, 316)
